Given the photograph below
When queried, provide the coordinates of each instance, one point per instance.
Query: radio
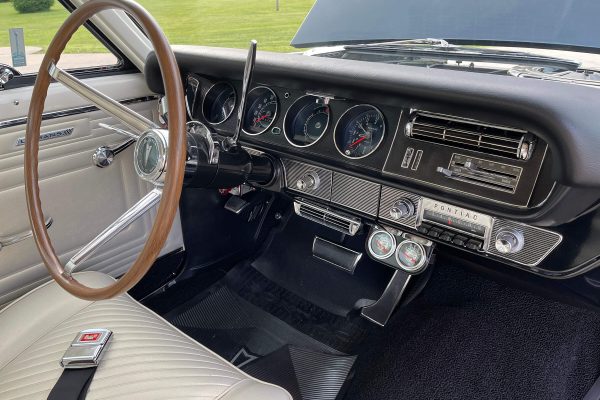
(453, 224)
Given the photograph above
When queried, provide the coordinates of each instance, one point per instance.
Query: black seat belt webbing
(73, 384)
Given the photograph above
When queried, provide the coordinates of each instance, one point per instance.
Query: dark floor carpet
(469, 338)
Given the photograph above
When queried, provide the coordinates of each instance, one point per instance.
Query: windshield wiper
(443, 50)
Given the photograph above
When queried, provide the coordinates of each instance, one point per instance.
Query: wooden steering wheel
(153, 149)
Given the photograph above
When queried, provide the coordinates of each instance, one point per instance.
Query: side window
(25, 35)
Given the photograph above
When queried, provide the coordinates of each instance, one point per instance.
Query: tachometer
(261, 111)
(360, 131)
(219, 102)
(306, 121)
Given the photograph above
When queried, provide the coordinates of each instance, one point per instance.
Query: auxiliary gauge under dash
(262, 106)
(381, 244)
(360, 131)
(306, 121)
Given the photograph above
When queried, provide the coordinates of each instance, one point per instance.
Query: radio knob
(403, 208)
(509, 241)
(309, 181)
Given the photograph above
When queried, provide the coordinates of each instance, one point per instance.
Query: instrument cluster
(356, 130)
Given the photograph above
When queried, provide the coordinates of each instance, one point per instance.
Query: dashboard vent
(471, 135)
(324, 216)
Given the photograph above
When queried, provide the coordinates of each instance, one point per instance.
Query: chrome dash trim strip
(71, 111)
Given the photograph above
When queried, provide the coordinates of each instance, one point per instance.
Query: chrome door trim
(72, 111)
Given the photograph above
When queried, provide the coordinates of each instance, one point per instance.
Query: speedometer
(359, 131)
(261, 110)
(306, 121)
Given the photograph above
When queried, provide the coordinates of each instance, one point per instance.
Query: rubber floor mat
(262, 345)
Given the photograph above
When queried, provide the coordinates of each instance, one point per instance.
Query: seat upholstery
(148, 358)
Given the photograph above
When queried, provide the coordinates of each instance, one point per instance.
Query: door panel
(81, 199)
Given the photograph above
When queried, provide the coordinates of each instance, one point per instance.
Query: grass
(226, 23)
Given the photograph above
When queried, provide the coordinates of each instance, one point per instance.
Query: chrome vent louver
(324, 216)
(471, 135)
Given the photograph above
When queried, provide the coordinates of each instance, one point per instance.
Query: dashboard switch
(447, 236)
(309, 181)
(403, 208)
(424, 229)
(460, 240)
(509, 241)
(435, 232)
(474, 244)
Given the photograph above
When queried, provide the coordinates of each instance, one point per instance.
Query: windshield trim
(459, 42)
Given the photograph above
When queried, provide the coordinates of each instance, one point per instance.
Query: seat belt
(80, 362)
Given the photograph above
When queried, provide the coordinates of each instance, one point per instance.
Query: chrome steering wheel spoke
(132, 119)
(126, 219)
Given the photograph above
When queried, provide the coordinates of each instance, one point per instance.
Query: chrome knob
(509, 241)
(309, 181)
(103, 157)
(403, 208)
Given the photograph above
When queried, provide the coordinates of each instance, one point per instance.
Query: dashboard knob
(403, 208)
(509, 241)
(308, 181)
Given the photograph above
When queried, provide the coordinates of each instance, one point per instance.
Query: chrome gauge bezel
(190, 108)
(422, 262)
(235, 99)
(248, 104)
(370, 240)
(287, 113)
(343, 116)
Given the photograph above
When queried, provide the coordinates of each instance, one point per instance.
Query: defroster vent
(471, 135)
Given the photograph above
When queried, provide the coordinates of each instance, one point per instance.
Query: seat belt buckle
(87, 349)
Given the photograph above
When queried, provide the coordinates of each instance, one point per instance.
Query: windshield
(550, 29)
(564, 24)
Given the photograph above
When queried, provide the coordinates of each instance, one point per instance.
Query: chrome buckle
(86, 349)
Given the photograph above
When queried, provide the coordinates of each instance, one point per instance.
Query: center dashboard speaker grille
(471, 135)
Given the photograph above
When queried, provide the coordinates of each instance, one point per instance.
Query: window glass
(38, 28)
(231, 23)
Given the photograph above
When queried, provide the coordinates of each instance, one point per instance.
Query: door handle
(19, 237)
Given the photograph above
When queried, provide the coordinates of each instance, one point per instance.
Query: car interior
(220, 223)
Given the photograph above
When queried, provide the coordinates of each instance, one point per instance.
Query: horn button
(150, 155)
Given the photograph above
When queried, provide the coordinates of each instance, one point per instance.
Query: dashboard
(407, 167)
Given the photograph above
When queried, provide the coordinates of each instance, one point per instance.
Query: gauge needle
(260, 118)
(357, 141)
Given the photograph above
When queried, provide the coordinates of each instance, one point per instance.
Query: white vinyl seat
(148, 358)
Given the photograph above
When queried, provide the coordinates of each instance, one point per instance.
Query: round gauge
(219, 102)
(261, 110)
(411, 256)
(306, 121)
(359, 131)
(381, 244)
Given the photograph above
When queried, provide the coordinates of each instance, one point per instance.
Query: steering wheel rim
(175, 152)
